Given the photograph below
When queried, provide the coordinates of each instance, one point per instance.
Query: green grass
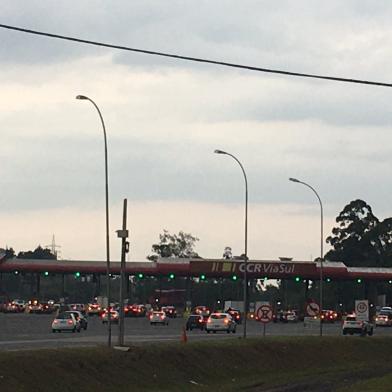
(289, 364)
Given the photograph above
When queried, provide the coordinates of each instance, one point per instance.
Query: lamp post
(246, 238)
(83, 97)
(321, 246)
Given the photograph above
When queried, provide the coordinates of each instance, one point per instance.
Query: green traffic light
(234, 277)
(77, 274)
(202, 277)
(140, 275)
(359, 280)
(297, 279)
(46, 273)
(389, 281)
(328, 280)
(171, 276)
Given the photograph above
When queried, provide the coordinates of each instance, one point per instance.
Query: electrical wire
(196, 59)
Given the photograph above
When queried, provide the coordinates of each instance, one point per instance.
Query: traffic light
(390, 281)
(359, 280)
(46, 273)
(297, 279)
(171, 276)
(140, 275)
(202, 277)
(234, 277)
(328, 280)
(77, 275)
(16, 272)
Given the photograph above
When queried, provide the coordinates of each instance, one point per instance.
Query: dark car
(202, 310)
(46, 308)
(170, 311)
(79, 316)
(235, 315)
(195, 321)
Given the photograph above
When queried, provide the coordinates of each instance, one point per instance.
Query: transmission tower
(53, 248)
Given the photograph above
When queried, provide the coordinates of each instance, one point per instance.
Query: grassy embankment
(272, 364)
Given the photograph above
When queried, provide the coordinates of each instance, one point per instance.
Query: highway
(33, 331)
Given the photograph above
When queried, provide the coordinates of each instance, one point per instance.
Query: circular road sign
(362, 307)
(313, 309)
(264, 313)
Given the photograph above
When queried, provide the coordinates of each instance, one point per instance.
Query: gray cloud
(349, 39)
(328, 38)
(68, 172)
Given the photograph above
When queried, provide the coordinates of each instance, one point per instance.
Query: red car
(202, 311)
(329, 316)
(135, 310)
(94, 308)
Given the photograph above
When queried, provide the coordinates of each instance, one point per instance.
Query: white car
(20, 303)
(291, 316)
(159, 318)
(65, 322)
(352, 325)
(80, 318)
(384, 319)
(220, 322)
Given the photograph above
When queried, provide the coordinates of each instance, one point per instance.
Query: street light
(83, 97)
(321, 246)
(246, 237)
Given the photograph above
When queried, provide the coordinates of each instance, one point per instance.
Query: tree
(9, 253)
(38, 253)
(177, 245)
(355, 240)
(361, 240)
(381, 239)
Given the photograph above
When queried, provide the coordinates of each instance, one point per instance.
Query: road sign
(313, 309)
(362, 309)
(264, 314)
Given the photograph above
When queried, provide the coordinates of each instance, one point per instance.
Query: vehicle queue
(74, 316)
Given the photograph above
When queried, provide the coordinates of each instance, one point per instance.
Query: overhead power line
(196, 59)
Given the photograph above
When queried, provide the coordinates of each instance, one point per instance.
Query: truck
(238, 305)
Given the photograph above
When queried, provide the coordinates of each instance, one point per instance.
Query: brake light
(162, 317)
(226, 321)
(150, 317)
(55, 322)
(70, 322)
(209, 320)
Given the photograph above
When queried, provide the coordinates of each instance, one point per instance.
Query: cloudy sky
(165, 118)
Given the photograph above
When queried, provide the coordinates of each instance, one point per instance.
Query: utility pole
(123, 234)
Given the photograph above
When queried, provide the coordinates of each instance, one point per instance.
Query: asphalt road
(33, 331)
